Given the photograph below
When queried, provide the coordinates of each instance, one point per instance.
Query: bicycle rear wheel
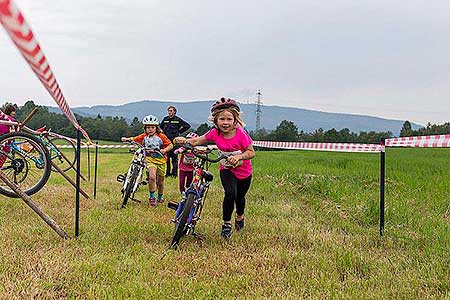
(25, 161)
(130, 181)
(180, 225)
(64, 155)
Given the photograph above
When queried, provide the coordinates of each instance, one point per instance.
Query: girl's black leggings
(235, 190)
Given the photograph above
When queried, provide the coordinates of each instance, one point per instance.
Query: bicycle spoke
(26, 163)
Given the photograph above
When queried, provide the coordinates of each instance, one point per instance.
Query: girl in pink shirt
(10, 111)
(235, 171)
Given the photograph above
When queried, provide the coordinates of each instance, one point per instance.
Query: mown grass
(311, 232)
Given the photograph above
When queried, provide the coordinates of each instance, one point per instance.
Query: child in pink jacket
(186, 166)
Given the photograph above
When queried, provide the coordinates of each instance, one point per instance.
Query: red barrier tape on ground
(22, 36)
(337, 147)
(427, 141)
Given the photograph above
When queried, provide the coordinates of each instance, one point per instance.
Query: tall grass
(311, 232)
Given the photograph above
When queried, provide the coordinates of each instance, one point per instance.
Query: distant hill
(196, 112)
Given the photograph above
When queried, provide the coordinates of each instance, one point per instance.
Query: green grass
(311, 232)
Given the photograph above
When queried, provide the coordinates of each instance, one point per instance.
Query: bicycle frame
(25, 152)
(139, 162)
(133, 178)
(189, 210)
(50, 148)
(46, 138)
(199, 187)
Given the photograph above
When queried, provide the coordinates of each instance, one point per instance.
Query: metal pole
(89, 161)
(382, 182)
(95, 170)
(77, 194)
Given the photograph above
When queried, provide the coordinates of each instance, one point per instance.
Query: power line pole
(258, 110)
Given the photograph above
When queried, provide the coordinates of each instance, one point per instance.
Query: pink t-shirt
(234, 145)
(5, 128)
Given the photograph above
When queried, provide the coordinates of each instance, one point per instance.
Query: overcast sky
(386, 58)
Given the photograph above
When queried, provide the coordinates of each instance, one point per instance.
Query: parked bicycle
(61, 148)
(25, 161)
(188, 211)
(133, 178)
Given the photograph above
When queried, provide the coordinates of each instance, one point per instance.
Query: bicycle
(25, 161)
(133, 178)
(54, 142)
(188, 211)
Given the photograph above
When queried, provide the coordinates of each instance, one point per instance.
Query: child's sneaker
(239, 224)
(152, 201)
(226, 231)
(160, 200)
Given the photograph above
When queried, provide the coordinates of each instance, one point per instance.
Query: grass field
(311, 232)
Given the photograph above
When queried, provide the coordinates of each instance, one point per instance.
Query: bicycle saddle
(42, 129)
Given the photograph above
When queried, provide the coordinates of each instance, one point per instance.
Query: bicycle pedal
(121, 178)
(172, 205)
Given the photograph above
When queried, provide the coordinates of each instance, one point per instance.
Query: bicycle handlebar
(195, 151)
(144, 148)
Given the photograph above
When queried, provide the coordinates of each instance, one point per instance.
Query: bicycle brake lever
(188, 146)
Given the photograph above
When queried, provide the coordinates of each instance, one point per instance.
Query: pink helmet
(225, 103)
(191, 135)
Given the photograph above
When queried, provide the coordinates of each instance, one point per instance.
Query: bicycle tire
(35, 159)
(66, 160)
(126, 193)
(180, 226)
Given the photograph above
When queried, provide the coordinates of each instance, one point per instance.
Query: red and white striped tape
(100, 146)
(3, 116)
(9, 123)
(427, 141)
(20, 33)
(211, 147)
(337, 147)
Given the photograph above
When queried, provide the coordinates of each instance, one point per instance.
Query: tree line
(287, 131)
(112, 128)
(430, 129)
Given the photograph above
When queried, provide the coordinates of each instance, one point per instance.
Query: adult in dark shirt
(172, 127)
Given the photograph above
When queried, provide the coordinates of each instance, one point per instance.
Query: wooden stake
(27, 199)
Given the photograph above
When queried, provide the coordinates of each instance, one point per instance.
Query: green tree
(136, 127)
(259, 135)
(331, 136)
(286, 131)
(406, 129)
(203, 128)
(317, 136)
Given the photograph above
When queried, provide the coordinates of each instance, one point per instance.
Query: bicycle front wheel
(130, 181)
(180, 225)
(62, 153)
(25, 161)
